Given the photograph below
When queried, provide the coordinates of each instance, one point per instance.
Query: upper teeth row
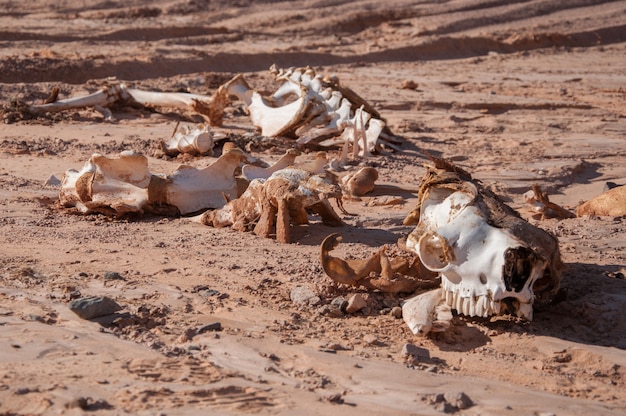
(472, 306)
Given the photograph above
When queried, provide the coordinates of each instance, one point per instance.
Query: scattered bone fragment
(196, 140)
(378, 272)
(125, 185)
(489, 258)
(542, 207)
(609, 203)
(360, 182)
(426, 313)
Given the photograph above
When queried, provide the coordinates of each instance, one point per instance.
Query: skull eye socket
(518, 265)
(435, 252)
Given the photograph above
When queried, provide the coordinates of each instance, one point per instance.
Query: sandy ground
(516, 93)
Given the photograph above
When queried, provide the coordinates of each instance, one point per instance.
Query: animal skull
(489, 258)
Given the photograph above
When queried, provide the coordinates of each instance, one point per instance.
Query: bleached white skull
(489, 258)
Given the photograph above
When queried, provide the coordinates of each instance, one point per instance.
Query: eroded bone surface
(285, 197)
(360, 182)
(490, 260)
(118, 186)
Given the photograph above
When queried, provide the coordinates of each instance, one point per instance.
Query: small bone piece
(542, 206)
(489, 258)
(361, 182)
(196, 141)
(125, 185)
(610, 203)
(426, 313)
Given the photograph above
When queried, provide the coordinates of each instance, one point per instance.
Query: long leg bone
(104, 98)
(207, 106)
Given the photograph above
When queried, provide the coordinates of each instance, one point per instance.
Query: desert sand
(516, 93)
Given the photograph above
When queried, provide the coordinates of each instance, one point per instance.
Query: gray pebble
(339, 303)
(396, 312)
(108, 275)
(213, 326)
(93, 307)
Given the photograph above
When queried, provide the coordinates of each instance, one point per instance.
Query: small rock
(458, 399)
(214, 326)
(334, 398)
(410, 350)
(302, 295)
(408, 84)
(108, 275)
(396, 312)
(52, 181)
(370, 339)
(79, 402)
(445, 407)
(93, 307)
(356, 302)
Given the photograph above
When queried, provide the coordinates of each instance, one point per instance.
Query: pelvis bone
(125, 185)
(489, 258)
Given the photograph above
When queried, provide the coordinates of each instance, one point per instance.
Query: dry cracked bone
(196, 140)
(125, 185)
(211, 107)
(392, 273)
(489, 258)
(251, 172)
(285, 197)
